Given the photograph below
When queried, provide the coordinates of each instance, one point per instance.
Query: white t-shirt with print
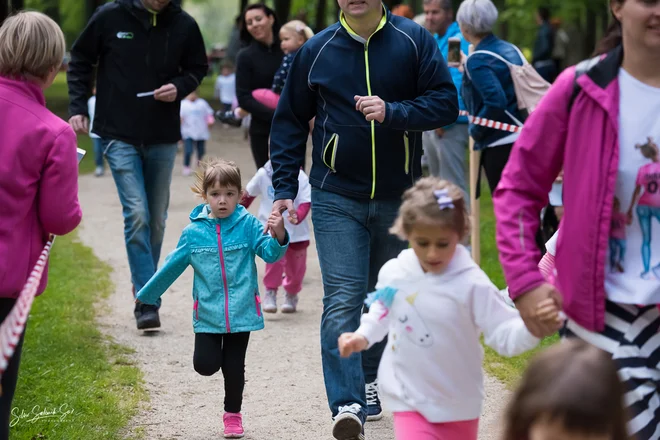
(633, 260)
(225, 88)
(261, 185)
(194, 115)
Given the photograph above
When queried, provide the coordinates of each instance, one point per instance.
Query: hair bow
(444, 201)
(299, 28)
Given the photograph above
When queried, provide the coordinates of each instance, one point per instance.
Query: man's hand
(284, 205)
(79, 123)
(350, 343)
(167, 93)
(529, 304)
(372, 107)
(439, 132)
(276, 226)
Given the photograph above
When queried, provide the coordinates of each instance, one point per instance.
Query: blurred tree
(52, 9)
(17, 5)
(282, 10)
(4, 10)
(321, 15)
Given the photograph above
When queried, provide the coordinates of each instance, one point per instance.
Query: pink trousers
(292, 267)
(413, 426)
(267, 97)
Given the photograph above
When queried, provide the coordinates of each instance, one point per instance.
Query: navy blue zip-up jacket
(351, 156)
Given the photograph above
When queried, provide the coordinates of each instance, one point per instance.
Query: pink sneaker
(233, 425)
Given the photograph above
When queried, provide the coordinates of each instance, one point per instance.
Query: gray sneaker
(290, 303)
(270, 302)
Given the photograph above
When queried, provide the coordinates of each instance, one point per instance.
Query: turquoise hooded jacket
(225, 288)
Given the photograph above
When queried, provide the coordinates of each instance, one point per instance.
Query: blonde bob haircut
(298, 27)
(420, 206)
(214, 171)
(31, 46)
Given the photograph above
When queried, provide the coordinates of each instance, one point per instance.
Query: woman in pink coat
(38, 165)
(602, 127)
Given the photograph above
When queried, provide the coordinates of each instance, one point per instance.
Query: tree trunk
(52, 9)
(282, 10)
(4, 10)
(17, 5)
(242, 4)
(321, 15)
(590, 32)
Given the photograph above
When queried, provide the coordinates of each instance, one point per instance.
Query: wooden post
(475, 157)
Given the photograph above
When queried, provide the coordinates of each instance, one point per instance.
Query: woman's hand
(529, 304)
(276, 226)
(350, 343)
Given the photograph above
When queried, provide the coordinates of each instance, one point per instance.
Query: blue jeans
(189, 146)
(143, 175)
(98, 151)
(645, 215)
(353, 243)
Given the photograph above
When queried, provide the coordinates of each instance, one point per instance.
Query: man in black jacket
(149, 55)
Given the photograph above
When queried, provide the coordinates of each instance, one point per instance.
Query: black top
(136, 52)
(255, 69)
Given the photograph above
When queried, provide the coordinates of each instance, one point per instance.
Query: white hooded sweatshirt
(433, 360)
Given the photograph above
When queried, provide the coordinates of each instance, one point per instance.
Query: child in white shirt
(225, 87)
(294, 263)
(435, 303)
(196, 118)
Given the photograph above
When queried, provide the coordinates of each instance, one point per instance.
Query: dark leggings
(259, 147)
(215, 351)
(10, 376)
(189, 146)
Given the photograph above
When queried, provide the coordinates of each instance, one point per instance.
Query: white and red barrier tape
(490, 123)
(13, 326)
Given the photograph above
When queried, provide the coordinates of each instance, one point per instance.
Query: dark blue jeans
(142, 175)
(353, 243)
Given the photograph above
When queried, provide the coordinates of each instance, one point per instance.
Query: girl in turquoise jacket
(220, 243)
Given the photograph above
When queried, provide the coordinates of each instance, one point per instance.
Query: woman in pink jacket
(38, 165)
(602, 129)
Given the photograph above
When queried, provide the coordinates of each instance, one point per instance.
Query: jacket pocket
(257, 302)
(406, 147)
(330, 152)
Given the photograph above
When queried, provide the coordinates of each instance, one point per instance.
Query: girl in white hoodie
(435, 303)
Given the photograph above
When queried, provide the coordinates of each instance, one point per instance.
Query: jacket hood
(459, 264)
(200, 213)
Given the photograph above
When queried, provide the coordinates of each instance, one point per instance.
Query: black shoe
(147, 317)
(228, 118)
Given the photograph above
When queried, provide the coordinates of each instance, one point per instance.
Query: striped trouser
(631, 335)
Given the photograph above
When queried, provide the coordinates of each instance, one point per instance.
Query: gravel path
(284, 394)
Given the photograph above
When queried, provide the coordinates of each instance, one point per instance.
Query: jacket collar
(601, 85)
(383, 21)
(201, 214)
(487, 41)
(146, 17)
(27, 88)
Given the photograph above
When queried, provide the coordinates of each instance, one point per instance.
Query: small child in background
(292, 36)
(434, 301)
(196, 118)
(96, 140)
(294, 263)
(220, 243)
(225, 86)
(570, 391)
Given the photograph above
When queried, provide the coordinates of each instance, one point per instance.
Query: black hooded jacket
(136, 51)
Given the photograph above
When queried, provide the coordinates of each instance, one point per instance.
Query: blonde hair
(421, 205)
(298, 27)
(214, 170)
(32, 46)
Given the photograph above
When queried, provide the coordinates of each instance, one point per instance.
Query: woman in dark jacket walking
(255, 69)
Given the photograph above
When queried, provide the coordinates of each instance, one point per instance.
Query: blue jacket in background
(488, 89)
(402, 65)
(454, 31)
(225, 288)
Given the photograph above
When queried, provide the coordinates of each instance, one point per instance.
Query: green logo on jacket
(125, 35)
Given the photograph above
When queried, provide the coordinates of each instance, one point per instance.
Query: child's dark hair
(421, 204)
(223, 172)
(571, 383)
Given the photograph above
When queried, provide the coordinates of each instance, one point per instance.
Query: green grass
(67, 364)
(507, 370)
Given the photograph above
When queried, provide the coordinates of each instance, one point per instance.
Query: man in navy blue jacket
(374, 82)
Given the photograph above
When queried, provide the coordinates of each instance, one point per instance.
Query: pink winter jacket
(38, 181)
(585, 143)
